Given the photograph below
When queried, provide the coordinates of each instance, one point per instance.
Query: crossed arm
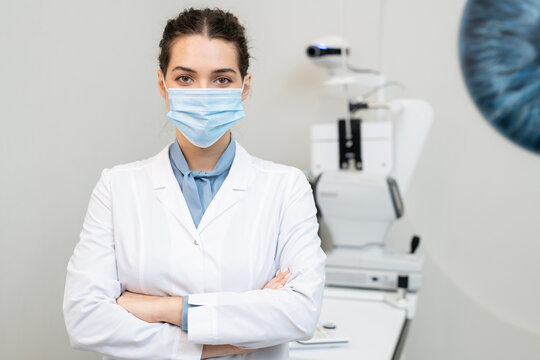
(95, 321)
(168, 309)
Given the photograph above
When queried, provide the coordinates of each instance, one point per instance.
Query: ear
(247, 86)
(160, 84)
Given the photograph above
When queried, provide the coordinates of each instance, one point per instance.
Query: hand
(212, 351)
(279, 280)
(152, 308)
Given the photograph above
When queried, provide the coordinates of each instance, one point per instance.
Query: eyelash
(224, 78)
(187, 78)
(183, 76)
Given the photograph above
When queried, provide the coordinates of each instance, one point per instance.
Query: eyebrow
(218, 71)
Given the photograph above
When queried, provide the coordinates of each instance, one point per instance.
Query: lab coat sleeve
(263, 318)
(93, 319)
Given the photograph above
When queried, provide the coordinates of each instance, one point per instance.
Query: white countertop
(372, 325)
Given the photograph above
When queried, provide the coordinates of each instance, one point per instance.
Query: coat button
(195, 242)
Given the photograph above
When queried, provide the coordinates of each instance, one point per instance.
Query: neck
(203, 159)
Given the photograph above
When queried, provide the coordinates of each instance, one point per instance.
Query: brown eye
(223, 80)
(183, 78)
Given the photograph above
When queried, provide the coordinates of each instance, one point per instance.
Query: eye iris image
(499, 49)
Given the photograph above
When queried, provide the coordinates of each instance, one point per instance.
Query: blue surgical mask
(204, 115)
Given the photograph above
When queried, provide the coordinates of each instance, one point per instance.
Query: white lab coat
(138, 235)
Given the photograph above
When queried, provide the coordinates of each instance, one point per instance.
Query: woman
(186, 255)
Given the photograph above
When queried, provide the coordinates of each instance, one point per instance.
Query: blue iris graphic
(500, 60)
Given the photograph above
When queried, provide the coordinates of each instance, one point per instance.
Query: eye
(185, 79)
(223, 80)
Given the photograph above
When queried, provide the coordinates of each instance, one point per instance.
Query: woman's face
(197, 61)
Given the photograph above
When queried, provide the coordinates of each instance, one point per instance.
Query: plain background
(78, 93)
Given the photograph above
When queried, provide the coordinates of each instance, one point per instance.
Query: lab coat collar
(170, 194)
(162, 173)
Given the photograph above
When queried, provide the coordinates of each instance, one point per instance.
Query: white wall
(78, 90)
(475, 199)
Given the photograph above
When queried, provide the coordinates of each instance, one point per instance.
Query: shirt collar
(223, 164)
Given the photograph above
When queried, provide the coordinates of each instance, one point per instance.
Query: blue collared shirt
(199, 188)
(199, 193)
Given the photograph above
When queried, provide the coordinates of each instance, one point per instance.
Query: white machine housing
(388, 147)
(376, 141)
(359, 210)
(359, 207)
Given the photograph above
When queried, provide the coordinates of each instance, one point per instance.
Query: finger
(286, 275)
(283, 281)
(267, 285)
(286, 272)
(278, 284)
(272, 284)
(273, 280)
(277, 279)
(279, 275)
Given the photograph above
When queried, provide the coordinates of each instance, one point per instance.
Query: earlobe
(247, 87)
(161, 87)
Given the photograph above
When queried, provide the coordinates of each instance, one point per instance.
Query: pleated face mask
(204, 115)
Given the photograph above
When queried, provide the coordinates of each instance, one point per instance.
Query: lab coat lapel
(168, 191)
(232, 189)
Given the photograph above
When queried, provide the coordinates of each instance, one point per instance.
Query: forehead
(202, 54)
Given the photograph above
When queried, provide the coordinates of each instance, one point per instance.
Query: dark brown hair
(213, 23)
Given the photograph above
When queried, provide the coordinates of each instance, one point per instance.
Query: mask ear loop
(243, 84)
(163, 79)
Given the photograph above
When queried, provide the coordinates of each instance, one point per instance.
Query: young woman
(186, 255)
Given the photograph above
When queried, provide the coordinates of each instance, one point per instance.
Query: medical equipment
(326, 335)
(359, 170)
(376, 329)
(360, 167)
(328, 51)
(359, 207)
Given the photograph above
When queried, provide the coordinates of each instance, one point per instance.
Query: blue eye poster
(499, 47)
